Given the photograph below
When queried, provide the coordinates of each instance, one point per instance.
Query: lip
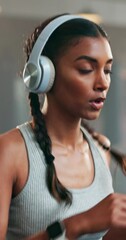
(97, 103)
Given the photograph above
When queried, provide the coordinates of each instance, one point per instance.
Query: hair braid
(118, 157)
(56, 189)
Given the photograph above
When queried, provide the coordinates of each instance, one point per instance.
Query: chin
(92, 116)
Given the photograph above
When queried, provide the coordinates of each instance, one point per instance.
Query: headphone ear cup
(39, 78)
(47, 75)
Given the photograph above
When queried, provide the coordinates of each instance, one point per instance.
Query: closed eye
(85, 71)
(108, 71)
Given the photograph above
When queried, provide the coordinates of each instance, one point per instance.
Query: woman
(55, 184)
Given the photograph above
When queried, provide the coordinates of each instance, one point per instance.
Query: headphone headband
(46, 33)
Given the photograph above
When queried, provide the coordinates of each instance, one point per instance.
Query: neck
(63, 129)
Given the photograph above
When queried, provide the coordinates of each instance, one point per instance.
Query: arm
(6, 184)
(10, 161)
(94, 220)
(118, 233)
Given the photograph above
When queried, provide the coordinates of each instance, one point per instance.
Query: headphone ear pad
(47, 75)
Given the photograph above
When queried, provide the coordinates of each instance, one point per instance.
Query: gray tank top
(33, 209)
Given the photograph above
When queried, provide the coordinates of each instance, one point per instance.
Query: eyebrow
(91, 59)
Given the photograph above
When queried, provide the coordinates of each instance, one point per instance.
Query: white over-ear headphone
(39, 71)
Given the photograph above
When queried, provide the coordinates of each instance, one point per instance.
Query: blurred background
(17, 21)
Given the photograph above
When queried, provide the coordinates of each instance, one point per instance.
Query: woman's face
(83, 78)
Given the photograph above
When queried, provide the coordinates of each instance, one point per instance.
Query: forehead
(94, 47)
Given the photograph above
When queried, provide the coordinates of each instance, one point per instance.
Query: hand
(109, 213)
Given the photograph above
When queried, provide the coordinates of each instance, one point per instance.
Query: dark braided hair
(119, 157)
(65, 35)
(44, 141)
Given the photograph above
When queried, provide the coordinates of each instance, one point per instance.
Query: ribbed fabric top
(33, 209)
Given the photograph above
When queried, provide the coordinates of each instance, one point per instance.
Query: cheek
(77, 94)
(80, 87)
(75, 89)
(70, 84)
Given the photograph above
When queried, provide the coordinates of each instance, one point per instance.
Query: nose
(102, 82)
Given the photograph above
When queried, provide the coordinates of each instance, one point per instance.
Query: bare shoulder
(10, 137)
(11, 144)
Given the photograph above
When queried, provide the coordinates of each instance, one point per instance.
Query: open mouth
(97, 104)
